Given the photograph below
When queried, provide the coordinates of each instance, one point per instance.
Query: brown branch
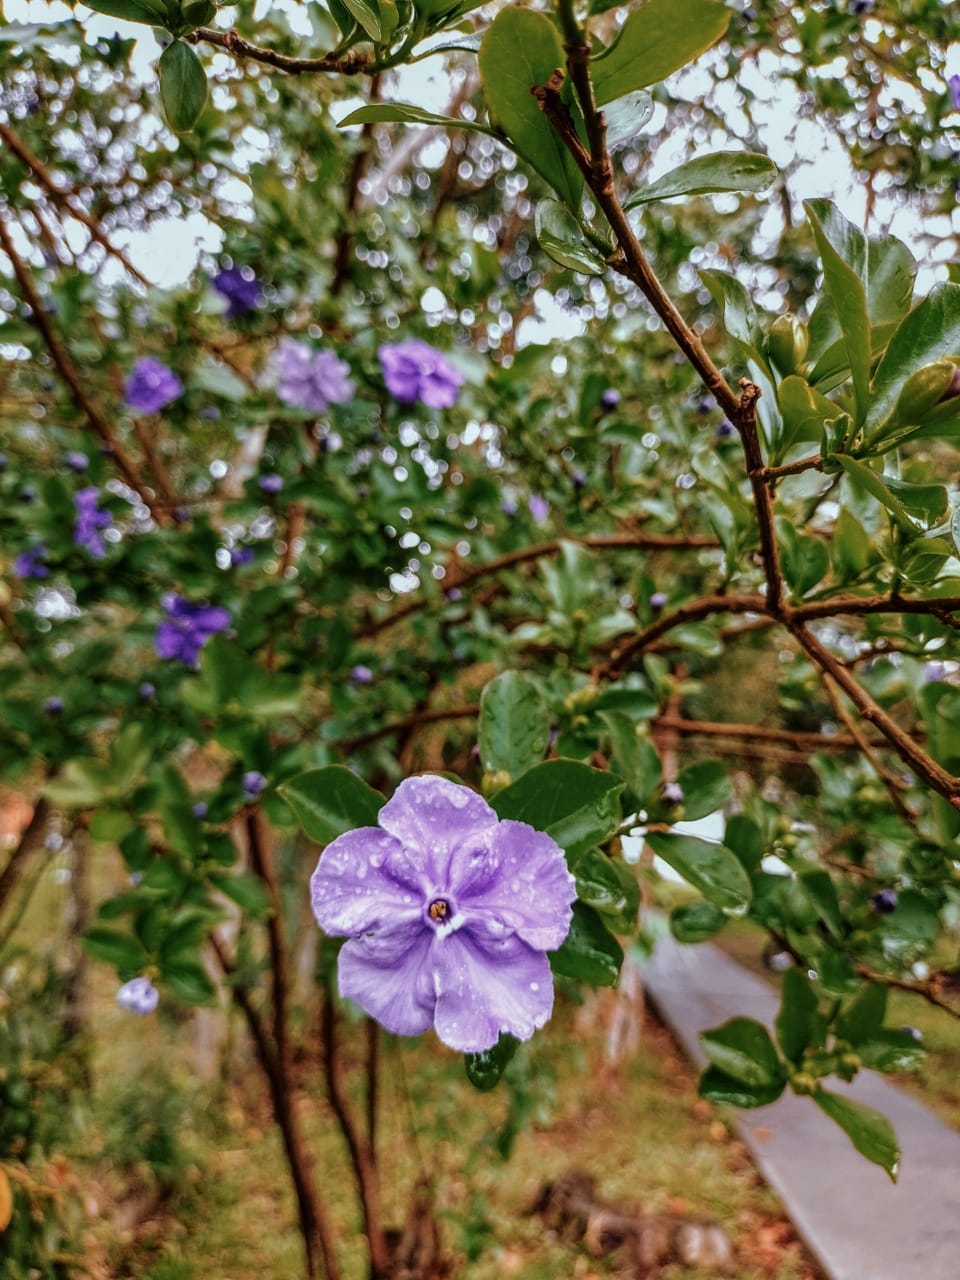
(414, 721)
(233, 42)
(68, 372)
(24, 847)
(813, 463)
(341, 262)
(261, 859)
(894, 784)
(927, 989)
(692, 612)
(761, 733)
(360, 1154)
(945, 605)
(66, 199)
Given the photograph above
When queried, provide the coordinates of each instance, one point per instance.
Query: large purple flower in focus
(240, 288)
(449, 914)
(413, 370)
(151, 386)
(90, 520)
(187, 628)
(308, 379)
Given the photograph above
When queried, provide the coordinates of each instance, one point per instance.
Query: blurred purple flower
(151, 386)
(253, 783)
(240, 288)
(187, 628)
(673, 793)
(883, 902)
(610, 398)
(200, 809)
(147, 691)
(449, 914)
(271, 483)
(308, 379)
(413, 370)
(90, 520)
(241, 555)
(361, 674)
(31, 563)
(139, 995)
(725, 429)
(76, 460)
(539, 508)
(953, 84)
(657, 600)
(53, 706)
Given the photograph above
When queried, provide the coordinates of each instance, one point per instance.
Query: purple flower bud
(76, 460)
(539, 508)
(147, 692)
(200, 809)
(150, 386)
(883, 902)
(579, 479)
(725, 430)
(673, 793)
(31, 563)
(3, 462)
(253, 783)
(610, 398)
(241, 555)
(913, 1032)
(953, 84)
(413, 370)
(240, 288)
(182, 515)
(508, 505)
(27, 495)
(308, 379)
(657, 600)
(361, 675)
(90, 520)
(453, 595)
(271, 483)
(53, 706)
(139, 995)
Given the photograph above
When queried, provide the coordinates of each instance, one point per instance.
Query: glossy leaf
(891, 1049)
(696, 921)
(804, 411)
(843, 251)
(797, 1021)
(743, 1050)
(818, 887)
(367, 13)
(521, 49)
(709, 867)
(514, 724)
(706, 788)
(716, 1086)
(871, 1133)
(560, 235)
(576, 805)
(183, 86)
(610, 887)
(152, 12)
(332, 800)
(122, 950)
(404, 113)
(626, 117)
(590, 953)
(707, 175)
(657, 39)
(634, 757)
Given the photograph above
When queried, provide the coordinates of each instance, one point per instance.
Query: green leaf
(560, 236)
(871, 1133)
(332, 800)
(608, 886)
(745, 839)
(891, 270)
(864, 1015)
(484, 1069)
(122, 950)
(891, 1049)
(717, 1086)
(189, 982)
(245, 889)
(152, 12)
(797, 1021)
(850, 546)
(706, 788)
(183, 86)
(804, 411)
(709, 867)
(818, 887)
(843, 251)
(589, 953)
(804, 559)
(626, 117)
(576, 805)
(110, 825)
(403, 113)
(130, 753)
(514, 724)
(706, 175)
(696, 921)
(635, 757)
(738, 314)
(656, 40)
(743, 1050)
(80, 784)
(521, 49)
(368, 16)
(929, 333)
(875, 484)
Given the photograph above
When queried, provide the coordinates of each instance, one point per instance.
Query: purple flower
(883, 902)
(53, 706)
(610, 398)
(151, 386)
(76, 460)
(187, 628)
(953, 84)
(31, 563)
(308, 379)
(240, 288)
(539, 508)
(139, 995)
(90, 520)
(253, 783)
(241, 555)
(413, 370)
(657, 600)
(271, 483)
(449, 914)
(147, 691)
(200, 809)
(361, 674)
(725, 429)
(673, 793)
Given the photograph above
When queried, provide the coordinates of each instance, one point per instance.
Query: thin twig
(894, 784)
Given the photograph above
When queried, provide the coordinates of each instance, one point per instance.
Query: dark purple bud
(705, 405)
(271, 483)
(913, 1032)
(610, 398)
(76, 460)
(673, 793)
(579, 479)
(657, 600)
(883, 902)
(147, 692)
(181, 515)
(200, 809)
(860, 7)
(53, 706)
(241, 555)
(361, 674)
(725, 430)
(953, 84)
(453, 595)
(27, 494)
(253, 783)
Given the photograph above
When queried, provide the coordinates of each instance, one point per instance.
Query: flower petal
(487, 984)
(434, 816)
(520, 881)
(390, 977)
(365, 880)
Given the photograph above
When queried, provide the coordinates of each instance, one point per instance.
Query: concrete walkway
(857, 1224)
